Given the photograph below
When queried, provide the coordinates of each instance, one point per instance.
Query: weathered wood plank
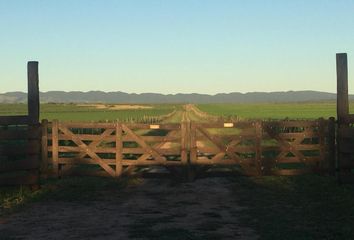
(241, 124)
(332, 158)
(119, 150)
(165, 126)
(241, 136)
(292, 123)
(33, 93)
(126, 138)
(44, 150)
(29, 148)
(342, 86)
(184, 141)
(55, 147)
(193, 143)
(14, 120)
(19, 134)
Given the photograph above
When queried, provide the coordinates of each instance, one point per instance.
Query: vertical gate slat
(321, 135)
(193, 143)
(331, 146)
(55, 147)
(184, 142)
(259, 163)
(119, 149)
(44, 163)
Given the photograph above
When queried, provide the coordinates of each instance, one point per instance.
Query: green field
(73, 112)
(309, 110)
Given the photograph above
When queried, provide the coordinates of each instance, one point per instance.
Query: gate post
(342, 105)
(34, 139)
(342, 88)
(33, 93)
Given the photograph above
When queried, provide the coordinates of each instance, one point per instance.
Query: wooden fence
(20, 139)
(255, 147)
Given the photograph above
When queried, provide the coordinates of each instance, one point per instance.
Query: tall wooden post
(342, 87)
(342, 110)
(33, 116)
(33, 93)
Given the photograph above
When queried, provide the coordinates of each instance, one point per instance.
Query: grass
(307, 110)
(302, 207)
(66, 189)
(73, 112)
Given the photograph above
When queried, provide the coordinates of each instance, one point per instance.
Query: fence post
(258, 146)
(55, 147)
(33, 93)
(33, 114)
(342, 103)
(342, 87)
(119, 150)
(331, 146)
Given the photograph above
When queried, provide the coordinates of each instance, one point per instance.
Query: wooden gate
(112, 147)
(254, 147)
(264, 147)
(227, 144)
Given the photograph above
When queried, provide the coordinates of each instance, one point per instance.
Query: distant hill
(122, 97)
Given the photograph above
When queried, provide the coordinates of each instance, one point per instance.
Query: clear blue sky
(204, 46)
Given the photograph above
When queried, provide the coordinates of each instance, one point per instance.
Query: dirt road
(153, 209)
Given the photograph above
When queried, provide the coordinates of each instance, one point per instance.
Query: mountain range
(122, 97)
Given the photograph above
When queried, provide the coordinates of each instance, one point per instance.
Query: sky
(176, 46)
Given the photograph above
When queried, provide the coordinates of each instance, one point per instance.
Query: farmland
(154, 112)
(89, 112)
(306, 110)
